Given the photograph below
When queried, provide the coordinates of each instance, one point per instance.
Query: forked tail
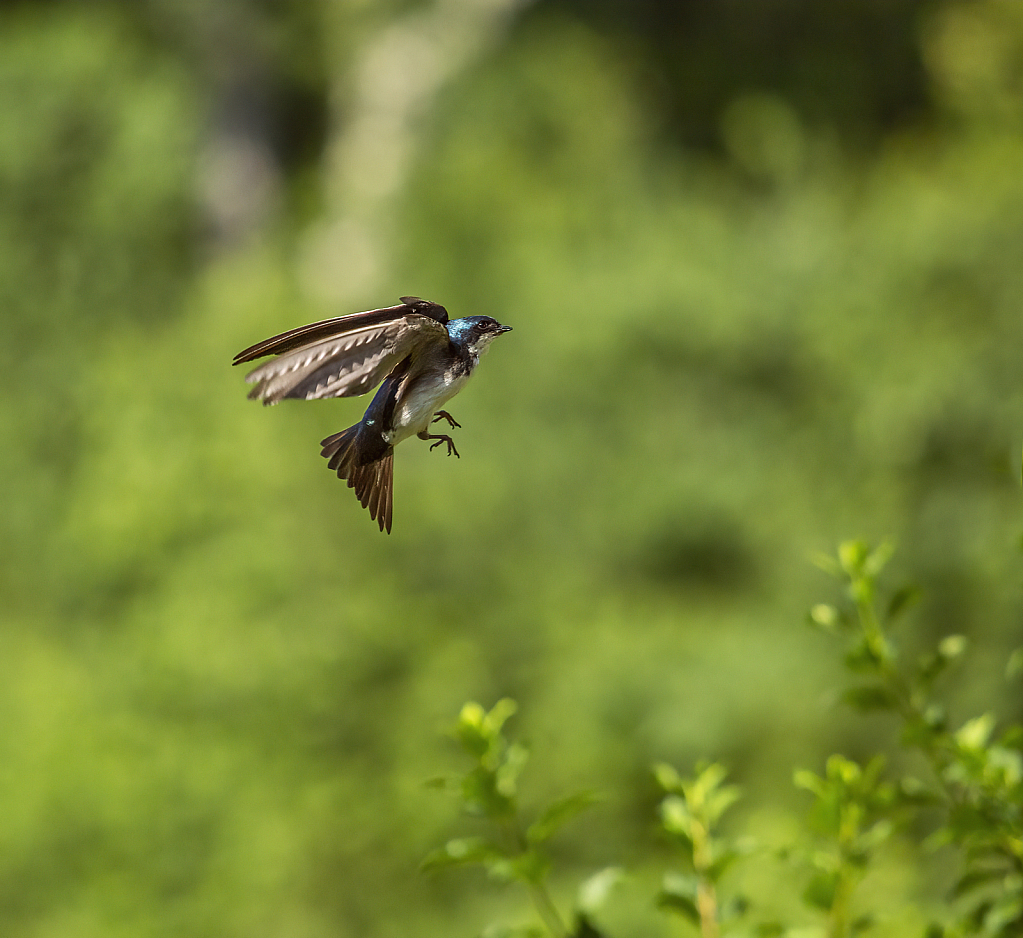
(368, 469)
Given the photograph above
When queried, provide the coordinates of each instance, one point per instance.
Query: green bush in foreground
(971, 799)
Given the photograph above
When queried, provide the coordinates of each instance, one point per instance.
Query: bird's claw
(444, 415)
(451, 445)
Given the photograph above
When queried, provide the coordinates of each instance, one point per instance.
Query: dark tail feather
(372, 481)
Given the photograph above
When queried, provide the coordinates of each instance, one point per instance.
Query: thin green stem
(909, 707)
(838, 920)
(538, 893)
(706, 893)
(707, 906)
(547, 910)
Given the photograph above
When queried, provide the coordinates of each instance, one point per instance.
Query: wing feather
(330, 328)
(351, 361)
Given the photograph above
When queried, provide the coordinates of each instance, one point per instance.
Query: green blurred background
(764, 264)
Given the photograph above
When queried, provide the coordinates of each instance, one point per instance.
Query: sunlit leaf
(595, 889)
(676, 817)
(852, 555)
(952, 646)
(975, 733)
(499, 714)
(667, 777)
(804, 778)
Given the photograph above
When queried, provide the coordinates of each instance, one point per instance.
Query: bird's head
(475, 333)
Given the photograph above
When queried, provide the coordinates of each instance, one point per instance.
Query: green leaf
(678, 894)
(839, 768)
(676, 817)
(863, 657)
(499, 713)
(558, 814)
(861, 923)
(974, 734)
(952, 646)
(584, 928)
(878, 559)
(902, 601)
(821, 890)
(804, 778)
(530, 866)
(481, 796)
(1004, 767)
(949, 650)
(977, 878)
(1005, 911)
(827, 563)
(668, 778)
(594, 891)
(733, 908)
(1012, 738)
(911, 791)
(681, 884)
(719, 801)
(825, 617)
(852, 555)
(875, 835)
(869, 697)
(470, 730)
(461, 852)
(507, 773)
(708, 780)
(722, 861)
(965, 821)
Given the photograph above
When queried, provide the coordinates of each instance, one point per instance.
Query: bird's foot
(440, 438)
(444, 415)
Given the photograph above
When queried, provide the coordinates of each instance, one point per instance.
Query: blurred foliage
(756, 304)
(971, 802)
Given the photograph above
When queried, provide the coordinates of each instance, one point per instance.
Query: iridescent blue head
(475, 333)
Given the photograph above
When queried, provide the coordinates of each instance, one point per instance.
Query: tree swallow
(423, 358)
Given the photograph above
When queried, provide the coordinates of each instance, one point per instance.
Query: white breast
(425, 395)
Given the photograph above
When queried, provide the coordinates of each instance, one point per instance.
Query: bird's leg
(440, 438)
(444, 415)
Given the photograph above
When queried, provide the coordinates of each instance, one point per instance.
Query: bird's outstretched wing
(343, 357)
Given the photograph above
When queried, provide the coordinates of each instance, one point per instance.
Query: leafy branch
(977, 779)
(513, 850)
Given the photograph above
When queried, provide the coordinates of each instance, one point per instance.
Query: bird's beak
(504, 329)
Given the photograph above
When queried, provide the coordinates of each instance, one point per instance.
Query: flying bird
(423, 359)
